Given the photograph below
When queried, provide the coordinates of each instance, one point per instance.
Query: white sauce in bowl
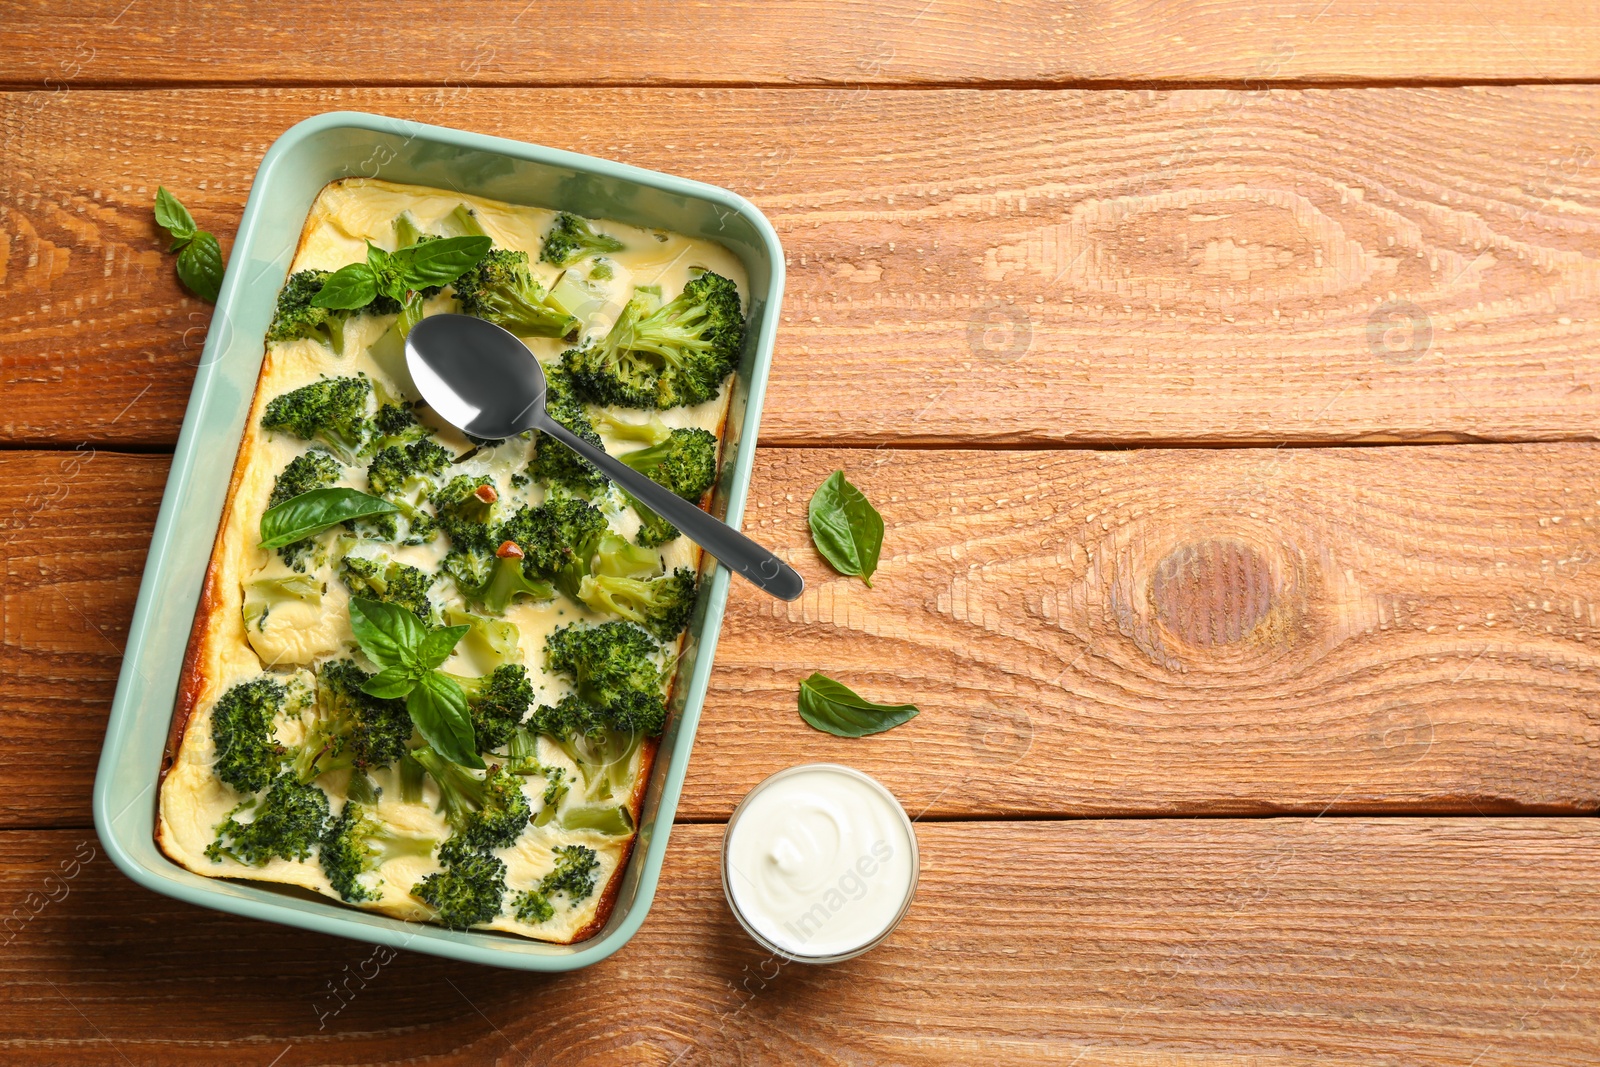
(819, 862)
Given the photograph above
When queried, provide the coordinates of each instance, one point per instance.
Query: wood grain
(1136, 632)
(994, 267)
(1274, 943)
(794, 42)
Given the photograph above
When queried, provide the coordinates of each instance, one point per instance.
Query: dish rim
(161, 575)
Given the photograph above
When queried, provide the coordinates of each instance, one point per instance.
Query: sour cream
(819, 863)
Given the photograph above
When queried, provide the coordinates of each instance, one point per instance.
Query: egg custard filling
(429, 673)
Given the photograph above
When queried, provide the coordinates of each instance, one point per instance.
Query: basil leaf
(846, 529)
(439, 709)
(173, 217)
(439, 262)
(200, 266)
(836, 709)
(315, 511)
(436, 647)
(350, 287)
(389, 635)
(391, 683)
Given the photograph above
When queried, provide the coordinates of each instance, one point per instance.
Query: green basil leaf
(200, 267)
(315, 511)
(846, 529)
(439, 262)
(389, 635)
(436, 647)
(439, 709)
(173, 217)
(838, 710)
(350, 287)
(391, 683)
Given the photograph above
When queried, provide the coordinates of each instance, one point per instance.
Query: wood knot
(1213, 592)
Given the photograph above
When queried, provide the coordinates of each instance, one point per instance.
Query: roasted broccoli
(497, 702)
(289, 822)
(576, 872)
(661, 605)
(554, 533)
(390, 582)
(676, 354)
(352, 728)
(247, 753)
(502, 289)
(570, 238)
(356, 844)
(405, 476)
(487, 812)
(330, 411)
(654, 531)
(686, 462)
(613, 667)
(468, 890)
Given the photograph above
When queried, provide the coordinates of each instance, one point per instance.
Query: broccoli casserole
(428, 673)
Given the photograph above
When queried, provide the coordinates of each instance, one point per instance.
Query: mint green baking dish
(296, 167)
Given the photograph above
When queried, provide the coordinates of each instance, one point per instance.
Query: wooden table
(1245, 740)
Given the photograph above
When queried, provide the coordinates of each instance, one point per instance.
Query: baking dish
(294, 170)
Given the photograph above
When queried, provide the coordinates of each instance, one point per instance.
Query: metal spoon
(482, 379)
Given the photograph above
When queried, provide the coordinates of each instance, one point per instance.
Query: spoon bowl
(483, 380)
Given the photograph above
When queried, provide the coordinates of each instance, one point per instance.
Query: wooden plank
(796, 42)
(1274, 943)
(1135, 632)
(1040, 267)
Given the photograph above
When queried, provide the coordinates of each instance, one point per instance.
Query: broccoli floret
(353, 728)
(571, 237)
(289, 822)
(390, 582)
(554, 533)
(532, 906)
(614, 669)
(553, 462)
(356, 844)
(601, 745)
(654, 531)
(315, 469)
(331, 411)
(405, 476)
(494, 579)
(310, 470)
(295, 318)
(396, 424)
(502, 289)
(468, 891)
(497, 701)
(487, 812)
(242, 731)
(465, 508)
(576, 873)
(686, 462)
(677, 354)
(265, 595)
(661, 605)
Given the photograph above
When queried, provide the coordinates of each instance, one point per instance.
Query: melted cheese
(345, 216)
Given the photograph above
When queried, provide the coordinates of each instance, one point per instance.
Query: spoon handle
(736, 551)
